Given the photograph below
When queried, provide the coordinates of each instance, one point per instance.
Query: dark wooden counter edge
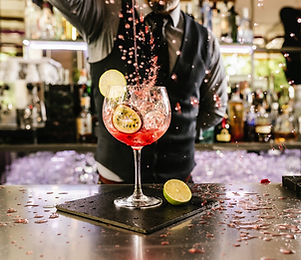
(201, 147)
(249, 146)
(47, 147)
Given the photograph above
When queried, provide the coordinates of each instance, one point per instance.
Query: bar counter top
(246, 221)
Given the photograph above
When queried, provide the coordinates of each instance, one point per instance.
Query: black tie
(158, 23)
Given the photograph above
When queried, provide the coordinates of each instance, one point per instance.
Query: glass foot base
(141, 202)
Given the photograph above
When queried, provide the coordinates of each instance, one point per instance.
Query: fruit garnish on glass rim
(126, 120)
(112, 84)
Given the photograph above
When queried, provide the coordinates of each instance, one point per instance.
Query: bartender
(192, 73)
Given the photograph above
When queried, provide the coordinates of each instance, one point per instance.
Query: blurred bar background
(47, 117)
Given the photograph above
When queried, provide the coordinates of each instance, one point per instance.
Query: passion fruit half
(126, 120)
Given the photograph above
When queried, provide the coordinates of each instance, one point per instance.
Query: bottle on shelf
(249, 128)
(233, 23)
(84, 121)
(224, 23)
(263, 125)
(69, 31)
(58, 18)
(43, 21)
(47, 22)
(274, 114)
(83, 78)
(207, 14)
(32, 114)
(286, 126)
(32, 15)
(236, 117)
(216, 21)
(244, 31)
(297, 109)
(222, 131)
(39, 110)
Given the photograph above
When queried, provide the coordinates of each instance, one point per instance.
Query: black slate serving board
(101, 208)
(292, 183)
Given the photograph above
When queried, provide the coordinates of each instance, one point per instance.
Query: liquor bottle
(58, 18)
(216, 21)
(232, 23)
(224, 24)
(69, 31)
(83, 78)
(207, 15)
(263, 127)
(297, 109)
(47, 22)
(244, 31)
(285, 127)
(84, 121)
(38, 114)
(274, 114)
(32, 14)
(249, 129)
(222, 131)
(236, 114)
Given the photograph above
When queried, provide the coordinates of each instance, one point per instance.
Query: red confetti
(286, 251)
(54, 215)
(265, 181)
(164, 243)
(21, 220)
(174, 76)
(163, 235)
(11, 210)
(194, 101)
(217, 101)
(178, 107)
(196, 251)
(41, 221)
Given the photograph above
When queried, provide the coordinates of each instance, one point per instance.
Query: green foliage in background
(237, 64)
(271, 67)
(274, 68)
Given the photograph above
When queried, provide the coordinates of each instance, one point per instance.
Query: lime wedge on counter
(112, 84)
(176, 192)
(126, 120)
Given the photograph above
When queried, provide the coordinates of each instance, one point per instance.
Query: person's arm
(86, 15)
(213, 91)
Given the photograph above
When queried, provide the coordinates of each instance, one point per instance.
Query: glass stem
(137, 161)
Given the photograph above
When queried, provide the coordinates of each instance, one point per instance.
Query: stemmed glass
(138, 117)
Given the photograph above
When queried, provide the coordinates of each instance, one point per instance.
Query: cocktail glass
(138, 117)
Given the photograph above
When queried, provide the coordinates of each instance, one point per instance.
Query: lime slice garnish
(176, 192)
(112, 84)
(126, 120)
